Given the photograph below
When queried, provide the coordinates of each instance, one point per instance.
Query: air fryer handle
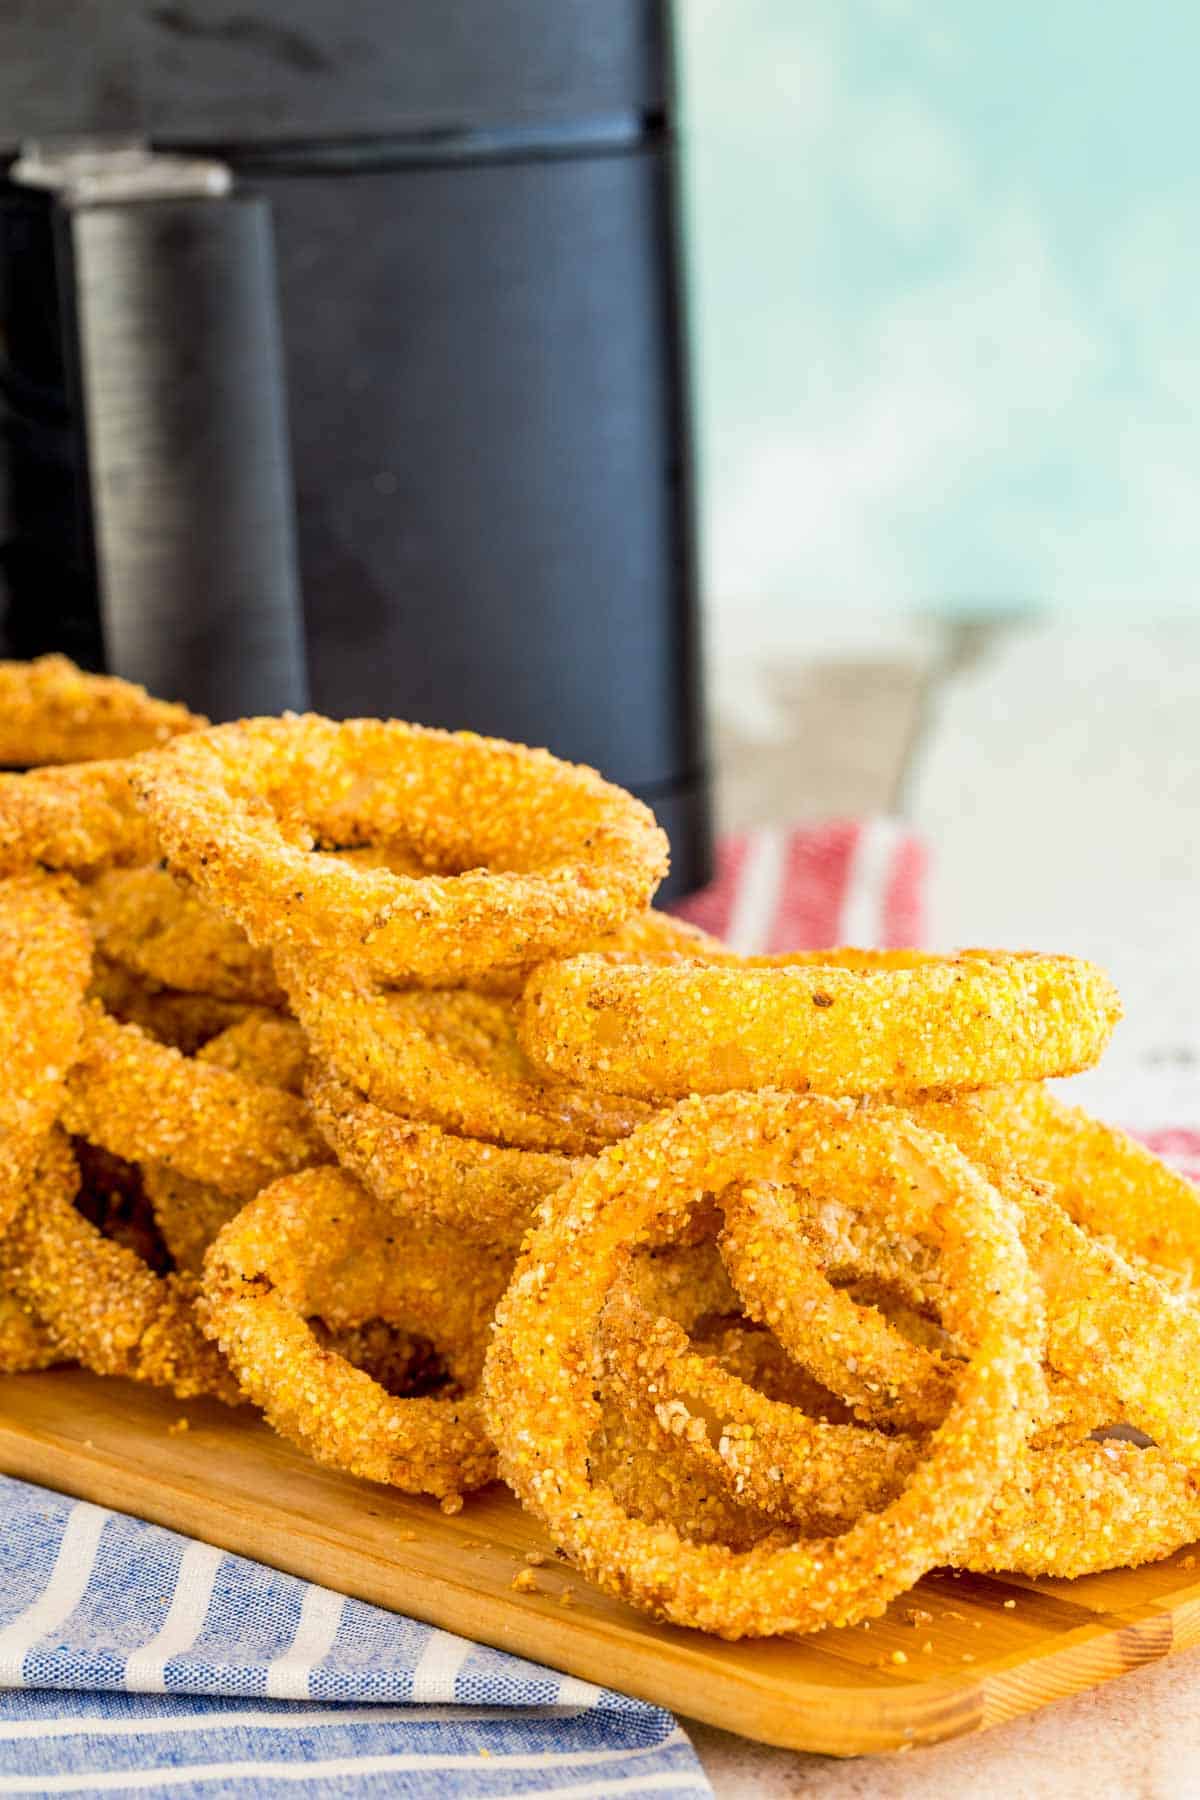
(178, 364)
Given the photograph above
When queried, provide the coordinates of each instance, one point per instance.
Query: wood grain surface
(229, 1480)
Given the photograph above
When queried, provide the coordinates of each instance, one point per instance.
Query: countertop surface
(1055, 774)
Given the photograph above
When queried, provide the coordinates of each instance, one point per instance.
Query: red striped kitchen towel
(851, 881)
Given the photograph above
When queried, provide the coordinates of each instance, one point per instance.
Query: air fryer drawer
(483, 393)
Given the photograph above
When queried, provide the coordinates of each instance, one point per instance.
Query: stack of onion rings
(541, 1411)
(312, 1029)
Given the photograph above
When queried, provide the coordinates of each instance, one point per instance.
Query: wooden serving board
(999, 1647)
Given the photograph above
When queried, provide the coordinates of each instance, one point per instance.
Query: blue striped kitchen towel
(135, 1661)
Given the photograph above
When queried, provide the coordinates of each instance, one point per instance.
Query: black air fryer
(341, 365)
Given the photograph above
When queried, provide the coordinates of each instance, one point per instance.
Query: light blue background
(945, 291)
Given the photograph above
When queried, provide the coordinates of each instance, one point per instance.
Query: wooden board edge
(886, 1716)
(873, 1718)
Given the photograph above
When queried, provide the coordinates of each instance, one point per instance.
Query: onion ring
(830, 1471)
(640, 1463)
(1066, 1507)
(79, 818)
(447, 1056)
(1120, 1346)
(533, 856)
(112, 1195)
(262, 1047)
(185, 1021)
(1115, 1332)
(316, 1243)
(1107, 1183)
(166, 933)
(861, 1022)
(25, 1344)
(1079, 1508)
(145, 1101)
(98, 1301)
(53, 712)
(1069, 1506)
(485, 1190)
(45, 966)
(852, 1349)
(541, 1410)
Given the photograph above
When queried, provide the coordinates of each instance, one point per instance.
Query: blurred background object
(473, 214)
(944, 271)
(945, 276)
(941, 277)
